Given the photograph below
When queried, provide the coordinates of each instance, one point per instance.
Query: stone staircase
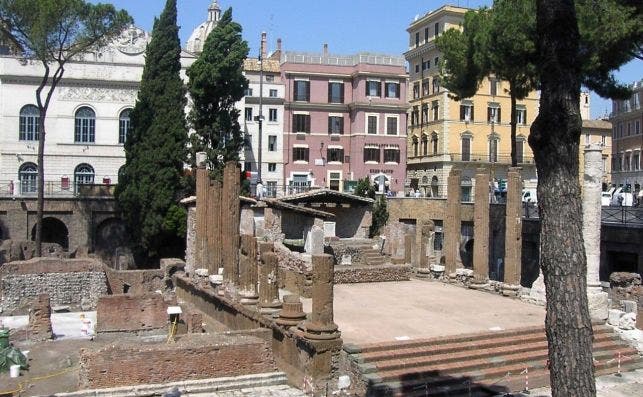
(479, 365)
(370, 256)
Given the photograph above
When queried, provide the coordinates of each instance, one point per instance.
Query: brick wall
(191, 357)
(66, 281)
(125, 312)
(371, 274)
(134, 281)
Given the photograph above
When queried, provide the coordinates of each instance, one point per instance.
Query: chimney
(263, 45)
(325, 52)
(276, 55)
(279, 44)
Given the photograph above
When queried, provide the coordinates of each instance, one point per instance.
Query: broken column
(202, 183)
(230, 218)
(481, 225)
(592, 186)
(408, 248)
(40, 319)
(268, 287)
(321, 325)
(292, 312)
(513, 227)
(452, 226)
(248, 270)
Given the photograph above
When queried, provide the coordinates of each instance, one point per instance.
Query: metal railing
(630, 216)
(57, 189)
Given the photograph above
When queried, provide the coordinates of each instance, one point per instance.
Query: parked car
(529, 196)
(606, 198)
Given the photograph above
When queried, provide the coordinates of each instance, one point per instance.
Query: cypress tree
(216, 83)
(151, 181)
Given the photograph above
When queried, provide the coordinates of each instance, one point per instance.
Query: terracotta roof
(326, 194)
(276, 203)
(601, 124)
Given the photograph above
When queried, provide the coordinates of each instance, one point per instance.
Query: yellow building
(444, 133)
(627, 140)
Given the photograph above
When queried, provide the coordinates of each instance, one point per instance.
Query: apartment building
(627, 140)
(468, 134)
(345, 119)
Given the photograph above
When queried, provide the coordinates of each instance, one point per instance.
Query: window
(493, 87)
(426, 34)
(272, 167)
(520, 151)
(302, 90)
(425, 87)
(272, 143)
(301, 122)
(83, 174)
(493, 114)
(273, 93)
(437, 28)
(300, 154)
(29, 120)
(435, 110)
(272, 114)
(637, 127)
(416, 90)
(603, 140)
(247, 166)
(270, 78)
(299, 183)
(28, 176)
(425, 65)
(248, 114)
(425, 145)
(417, 68)
(271, 188)
(493, 150)
(521, 116)
(434, 143)
(415, 146)
(373, 88)
(335, 125)
(335, 155)
(425, 113)
(392, 90)
(438, 236)
(466, 148)
(436, 61)
(415, 115)
(587, 138)
(636, 161)
(436, 85)
(391, 125)
(628, 128)
(372, 124)
(391, 155)
(626, 164)
(335, 92)
(248, 92)
(417, 39)
(124, 125)
(372, 154)
(466, 112)
(85, 128)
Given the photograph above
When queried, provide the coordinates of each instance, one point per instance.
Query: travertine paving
(268, 391)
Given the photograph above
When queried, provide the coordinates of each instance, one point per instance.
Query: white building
(88, 116)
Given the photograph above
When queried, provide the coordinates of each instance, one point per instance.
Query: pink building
(344, 119)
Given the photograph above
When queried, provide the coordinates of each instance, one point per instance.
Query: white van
(621, 198)
(529, 196)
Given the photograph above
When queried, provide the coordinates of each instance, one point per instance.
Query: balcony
(481, 158)
(55, 189)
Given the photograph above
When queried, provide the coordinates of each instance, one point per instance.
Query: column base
(316, 331)
(270, 308)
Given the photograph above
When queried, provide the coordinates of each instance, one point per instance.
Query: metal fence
(57, 188)
(630, 216)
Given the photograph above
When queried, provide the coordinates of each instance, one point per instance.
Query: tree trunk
(41, 181)
(514, 155)
(554, 139)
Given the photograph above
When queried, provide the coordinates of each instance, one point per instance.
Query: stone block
(614, 316)
(40, 319)
(629, 306)
(598, 303)
(627, 321)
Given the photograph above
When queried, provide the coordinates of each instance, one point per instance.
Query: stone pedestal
(481, 225)
(513, 227)
(292, 312)
(268, 287)
(452, 226)
(40, 319)
(321, 325)
(592, 186)
(248, 276)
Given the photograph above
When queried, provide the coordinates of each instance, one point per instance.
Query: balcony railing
(55, 189)
(500, 158)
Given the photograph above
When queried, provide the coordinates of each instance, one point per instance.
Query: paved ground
(269, 391)
(630, 384)
(414, 309)
(64, 325)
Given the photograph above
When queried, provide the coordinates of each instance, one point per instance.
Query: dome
(200, 34)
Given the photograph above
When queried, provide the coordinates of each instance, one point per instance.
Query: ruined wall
(134, 281)
(371, 274)
(66, 281)
(124, 312)
(295, 225)
(294, 272)
(195, 356)
(424, 208)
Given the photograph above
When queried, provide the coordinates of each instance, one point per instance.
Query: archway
(53, 231)
(109, 235)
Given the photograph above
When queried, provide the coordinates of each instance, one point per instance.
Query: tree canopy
(216, 83)
(54, 32)
(152, 180)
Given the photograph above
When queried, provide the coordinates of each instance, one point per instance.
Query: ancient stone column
(513, 227)
(592, 186)
(214, 226)
(481, 225)
(190, 241)
(292, 312)
(230, 217)
(321, 325)
(202, 183)
(452, 226)
(40, 319)
(409, 240)
(426, 243)
(268, 286)
(248, 270)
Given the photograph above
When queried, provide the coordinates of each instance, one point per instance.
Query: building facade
(468, 134)
(345, 119)
(627, 140)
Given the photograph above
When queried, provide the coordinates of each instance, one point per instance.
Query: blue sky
(348, 26)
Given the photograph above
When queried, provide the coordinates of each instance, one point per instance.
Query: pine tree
(152, 179)
(216, 83)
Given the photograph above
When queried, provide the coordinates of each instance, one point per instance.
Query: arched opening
(83, 175)
(85, 125)
(28, 177)
(53, 231)
(110, 235)
(124, 125)
(29, 123)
